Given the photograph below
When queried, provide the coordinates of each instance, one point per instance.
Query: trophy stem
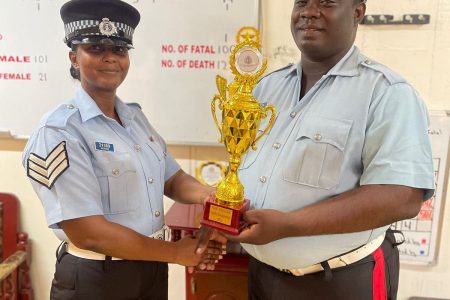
(230, 191)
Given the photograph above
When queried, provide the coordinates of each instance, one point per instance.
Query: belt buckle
(160, 235)
(286, 271)
(164, 234)
(296, 272)
(167, 233)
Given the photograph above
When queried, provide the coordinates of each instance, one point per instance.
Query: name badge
(104, 147)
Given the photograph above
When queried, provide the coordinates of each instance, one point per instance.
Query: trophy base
(225, 218)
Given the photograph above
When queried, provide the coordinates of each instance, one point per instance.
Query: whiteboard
(422, 232)
(181, 45)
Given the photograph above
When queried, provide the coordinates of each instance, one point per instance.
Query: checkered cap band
(71, 27)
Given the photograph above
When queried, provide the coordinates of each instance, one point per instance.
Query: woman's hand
(213, 253)
(186, 254)
(211, 243)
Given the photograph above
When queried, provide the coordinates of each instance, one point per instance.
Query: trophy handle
(213, 109)
(271, 121)
(221, 86)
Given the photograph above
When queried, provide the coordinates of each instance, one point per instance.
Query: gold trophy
(241, 116)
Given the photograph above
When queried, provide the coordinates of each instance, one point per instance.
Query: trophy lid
(246, 61)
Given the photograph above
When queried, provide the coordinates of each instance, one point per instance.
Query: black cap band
(101, 41)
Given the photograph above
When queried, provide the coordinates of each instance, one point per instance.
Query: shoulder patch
(390, 75)
(134, 104)
(278, 70)
(47, 170)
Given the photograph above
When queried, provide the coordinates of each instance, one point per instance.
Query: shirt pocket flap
(114, 165)
(119, 183)
(322, 130)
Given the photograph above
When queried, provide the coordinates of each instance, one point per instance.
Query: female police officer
(100, 170)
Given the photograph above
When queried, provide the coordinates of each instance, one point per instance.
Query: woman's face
(102, 67)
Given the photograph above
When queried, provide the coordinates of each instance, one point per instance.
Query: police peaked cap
(99, 21)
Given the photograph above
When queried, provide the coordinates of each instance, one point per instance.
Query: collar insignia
(104, 147)
(47, 170)
(107, 28)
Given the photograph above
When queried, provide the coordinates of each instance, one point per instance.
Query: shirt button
(157, 213)
(165, 154)
(293, 114)
(263, 179)
(317, 137)
(150, 180)
(115, 172)
(368, 62)
(151, 139)
(276, 146)
(70, 106)
(137, 147)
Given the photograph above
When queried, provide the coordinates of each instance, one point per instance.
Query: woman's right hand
(186, 252)
(189, 255)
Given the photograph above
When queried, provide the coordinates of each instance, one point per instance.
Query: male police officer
(348, 155)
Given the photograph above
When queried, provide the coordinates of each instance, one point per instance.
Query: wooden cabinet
(229, 280)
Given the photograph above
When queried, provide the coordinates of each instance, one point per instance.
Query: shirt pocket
(160, 161)
(118, 180)
(317, 154)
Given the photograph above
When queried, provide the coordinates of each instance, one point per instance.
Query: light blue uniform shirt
(360, 124)
(115, 171)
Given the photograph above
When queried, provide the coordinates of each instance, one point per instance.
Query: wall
(161, 59)
(419, 53)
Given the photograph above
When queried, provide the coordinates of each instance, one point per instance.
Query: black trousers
(353, 282)
(85, 279)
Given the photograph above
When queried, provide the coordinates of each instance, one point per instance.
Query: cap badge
(107, 28)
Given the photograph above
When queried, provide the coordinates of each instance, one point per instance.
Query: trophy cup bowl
(241, 117)
(240, 123)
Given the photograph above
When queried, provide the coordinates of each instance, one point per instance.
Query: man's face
(323, 28)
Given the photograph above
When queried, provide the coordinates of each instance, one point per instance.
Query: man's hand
(206, 234)
(264, 226)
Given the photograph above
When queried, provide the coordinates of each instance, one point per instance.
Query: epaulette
(59, 116)
(134, 104)
(390, 75)
(277, 70)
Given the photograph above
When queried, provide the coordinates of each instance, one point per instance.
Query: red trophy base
(225, 218)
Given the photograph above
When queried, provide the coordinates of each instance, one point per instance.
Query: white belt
(162, 234)
(341, 261)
